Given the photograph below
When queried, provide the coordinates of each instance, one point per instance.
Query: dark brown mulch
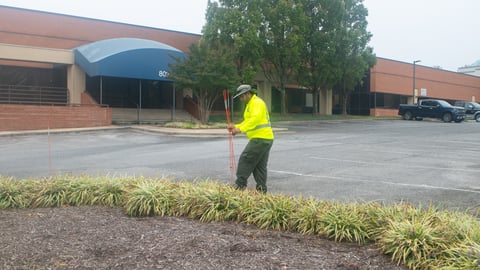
(105, 238)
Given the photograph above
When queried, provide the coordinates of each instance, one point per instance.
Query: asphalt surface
(421, 162)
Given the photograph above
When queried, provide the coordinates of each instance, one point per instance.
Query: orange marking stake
(226, 100)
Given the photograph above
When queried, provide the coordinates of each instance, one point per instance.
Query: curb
(56, 131)
(214, 132)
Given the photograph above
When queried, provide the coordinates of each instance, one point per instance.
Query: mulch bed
(105, 238)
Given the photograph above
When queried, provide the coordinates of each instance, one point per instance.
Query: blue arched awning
(127, 58)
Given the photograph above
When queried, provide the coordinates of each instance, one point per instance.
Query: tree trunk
(315, 102)
(344, 103)
(283, 103)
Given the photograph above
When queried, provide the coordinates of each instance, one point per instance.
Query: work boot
(237, 187)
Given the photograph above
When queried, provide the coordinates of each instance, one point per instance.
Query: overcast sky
(444, 33)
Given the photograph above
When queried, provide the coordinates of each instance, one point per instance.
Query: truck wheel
(408, 115)
(447, 117)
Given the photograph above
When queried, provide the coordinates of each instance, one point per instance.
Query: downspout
(101, 90)
(139, 102)
(173, 103)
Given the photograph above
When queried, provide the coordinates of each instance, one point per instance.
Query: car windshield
(444, 103)
(476, 106)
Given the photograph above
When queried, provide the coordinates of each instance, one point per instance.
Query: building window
(387, 101)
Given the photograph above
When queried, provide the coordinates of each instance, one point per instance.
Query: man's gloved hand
(232, 129)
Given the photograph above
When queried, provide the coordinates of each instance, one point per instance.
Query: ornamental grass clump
(379, 215)
(191, 199)
(208, 201)
(81, 191)
(151, 198)
(53, 192)
(419, 238)
(459, 256)
(217, 204)
(14, 194)
(272, 212)
(415, 242)
(345, 222)
(306, 219)
(109, 192)
(462, 234)
(457, 226)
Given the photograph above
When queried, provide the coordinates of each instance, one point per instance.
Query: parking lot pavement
(424, 162)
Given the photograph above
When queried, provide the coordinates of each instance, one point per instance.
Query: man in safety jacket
(256, 125)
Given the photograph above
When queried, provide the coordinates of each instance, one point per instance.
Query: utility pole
(413, 91)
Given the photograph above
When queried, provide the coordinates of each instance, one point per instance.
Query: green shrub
(272, 212)
(415, 242)
(345, 222)
(465, 255)
(14, 194)
(109, 192)
(307, 217)
(420, 238)
(53, 192)
(220, 203)
(458, 226)
(148, 198)
(81, 191)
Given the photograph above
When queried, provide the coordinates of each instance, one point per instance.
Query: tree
(335, 51)
(320, 70)
(262, 33)
(235, 25)
(322, 42)
(353, 55)
(282, 35)
(207, 71)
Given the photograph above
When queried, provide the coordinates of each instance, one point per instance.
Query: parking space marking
(398, 165)
(376, 182)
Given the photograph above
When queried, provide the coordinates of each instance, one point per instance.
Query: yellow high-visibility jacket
(256, 120)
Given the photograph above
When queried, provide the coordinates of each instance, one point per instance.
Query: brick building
(60, 71)
(390, 83)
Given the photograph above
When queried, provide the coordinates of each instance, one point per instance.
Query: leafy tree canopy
(206, 71)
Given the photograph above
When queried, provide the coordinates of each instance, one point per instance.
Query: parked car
(472, 109)
(432, 108)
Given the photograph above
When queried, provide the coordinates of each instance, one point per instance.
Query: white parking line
(376, 182)
(398, 165)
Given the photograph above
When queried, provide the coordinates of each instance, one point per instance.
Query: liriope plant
(345, 222)
(220, 203)
(187, 198)
(459, 256)
(458, 226)
(149, 198)
(380, 215)
(306, 219)
(208, 201)
(272, 212)
(81, 191)
(14, 193)
(416, 237)
(414, 242)
(109, 192)
(52, 192)
(248, 204)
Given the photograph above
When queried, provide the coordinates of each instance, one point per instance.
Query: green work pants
(254, 159)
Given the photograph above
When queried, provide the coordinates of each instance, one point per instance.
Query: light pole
(413, 91)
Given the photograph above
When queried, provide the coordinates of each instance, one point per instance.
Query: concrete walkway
(150, 128)
(190, 132)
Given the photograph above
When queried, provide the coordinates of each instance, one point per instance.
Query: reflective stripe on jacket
(256, 121)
